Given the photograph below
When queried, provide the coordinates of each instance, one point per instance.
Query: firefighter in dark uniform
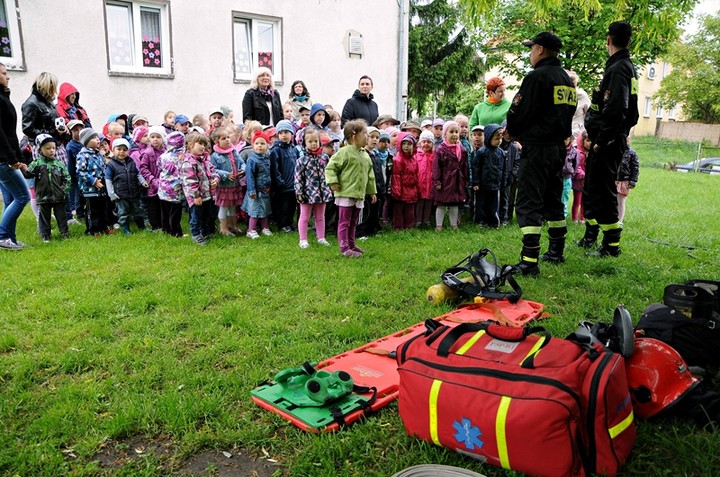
(541, 118)
(614, 110)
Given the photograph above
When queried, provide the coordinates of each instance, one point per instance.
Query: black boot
(610, 244)
(528, 265)
(555, 251)
(591, 235)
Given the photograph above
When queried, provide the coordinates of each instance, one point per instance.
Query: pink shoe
(352, 254)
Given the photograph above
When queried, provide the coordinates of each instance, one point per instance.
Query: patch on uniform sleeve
(564, 95)
(517, 99)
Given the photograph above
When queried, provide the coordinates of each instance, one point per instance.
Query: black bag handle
(503, 333)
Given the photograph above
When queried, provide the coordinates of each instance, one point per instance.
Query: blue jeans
(567, 188)
(200, 216)
(15, 195)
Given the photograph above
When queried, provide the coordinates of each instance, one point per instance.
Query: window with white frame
(648, 106)
(256, 42)
(138, 37)
(659, 113)
(11, 48)
(671, 113)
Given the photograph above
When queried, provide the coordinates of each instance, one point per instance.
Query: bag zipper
(504, 375)
(592, 404)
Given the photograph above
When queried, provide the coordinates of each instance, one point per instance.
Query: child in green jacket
(52, 183)
(350, 175)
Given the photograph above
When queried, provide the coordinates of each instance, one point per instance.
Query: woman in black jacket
(12, 184)
(39, 115)
(361, 105)
(262, 101)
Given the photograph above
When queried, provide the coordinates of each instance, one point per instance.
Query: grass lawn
(108, 342)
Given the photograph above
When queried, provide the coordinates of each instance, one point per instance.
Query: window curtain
(151, 34)
(5, 46)
(119, 27)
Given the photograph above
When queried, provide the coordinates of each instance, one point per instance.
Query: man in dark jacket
(540, 117)
(361, 105)
(612, 113)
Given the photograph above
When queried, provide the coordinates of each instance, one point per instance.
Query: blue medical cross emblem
(467, 434)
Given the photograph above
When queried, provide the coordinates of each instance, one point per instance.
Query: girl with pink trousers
(311, 189)
(578, 179)
(424, 158)
(349, 174)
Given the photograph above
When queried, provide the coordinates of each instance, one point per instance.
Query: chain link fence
(665, 153)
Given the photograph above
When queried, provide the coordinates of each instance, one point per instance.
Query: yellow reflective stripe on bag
(469, 344)
(617, 429)
(534, 350)
(500, 423)
(433, 415)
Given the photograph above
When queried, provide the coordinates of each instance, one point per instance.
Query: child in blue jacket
(489, 177)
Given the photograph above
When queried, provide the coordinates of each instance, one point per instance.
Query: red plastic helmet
(658, 376)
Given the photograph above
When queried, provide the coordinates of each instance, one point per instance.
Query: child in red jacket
(404, 183)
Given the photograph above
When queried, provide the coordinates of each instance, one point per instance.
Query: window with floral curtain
(138, 36)
(150, 31)
(5, 42)
(265, 44)
(243, 54)
(256, 43)
(119, 32)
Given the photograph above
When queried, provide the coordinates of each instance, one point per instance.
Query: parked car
(708, 165)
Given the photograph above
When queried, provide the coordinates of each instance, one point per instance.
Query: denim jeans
(200, 215)
(16, 195)
(125, 208)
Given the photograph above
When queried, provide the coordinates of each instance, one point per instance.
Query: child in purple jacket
(150, 170)
(199, 177)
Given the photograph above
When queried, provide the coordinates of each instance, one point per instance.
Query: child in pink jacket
(424, 159)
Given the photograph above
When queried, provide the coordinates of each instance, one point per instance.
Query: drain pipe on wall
(402, 64)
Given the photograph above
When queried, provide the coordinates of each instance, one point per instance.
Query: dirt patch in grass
(217, 464)
(115, 455)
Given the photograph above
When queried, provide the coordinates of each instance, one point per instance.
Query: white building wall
(67, 38)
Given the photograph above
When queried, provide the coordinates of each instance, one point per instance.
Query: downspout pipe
(402, 63)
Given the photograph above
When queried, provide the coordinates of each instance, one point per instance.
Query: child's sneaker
(65, 236)
(200, 240)
(46, 238)
(358, 249)
(266, 232)
(352, 253)
(304, 244)
(322, 241)
(253, 234)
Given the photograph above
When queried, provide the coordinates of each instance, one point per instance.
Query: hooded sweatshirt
(404, 184)
(489, 172)
(424, 162)
(71, 111)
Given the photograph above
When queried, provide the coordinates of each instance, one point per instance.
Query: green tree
(582, 26)
(443, 54)
(695, 78)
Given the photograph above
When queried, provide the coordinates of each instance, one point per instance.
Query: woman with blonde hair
(262, 101)
(39, 115)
